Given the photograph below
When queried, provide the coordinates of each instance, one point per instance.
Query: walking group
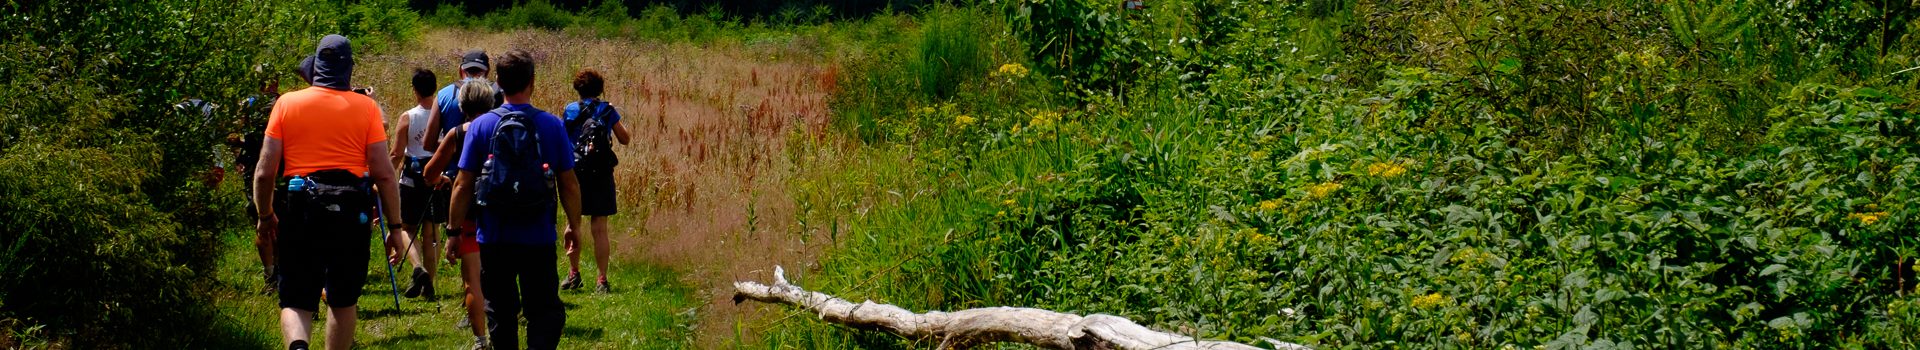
(473, 159)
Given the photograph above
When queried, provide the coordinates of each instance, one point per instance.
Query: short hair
(476, 97)
(423, 82)
(515, 72)
(589, 84)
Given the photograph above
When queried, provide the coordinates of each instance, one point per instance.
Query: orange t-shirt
(321, 128)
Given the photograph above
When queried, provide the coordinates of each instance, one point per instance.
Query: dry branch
(972, 327)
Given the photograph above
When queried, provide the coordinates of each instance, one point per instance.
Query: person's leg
(294, 325)
(422, 251)
(347, 263)
(545, 314)
(602, 248)
(476, 300)
(340, 327)
(499, 285)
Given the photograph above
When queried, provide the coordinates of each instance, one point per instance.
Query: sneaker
(419, 283)
(271, 284)
(603, 288)
(572, 281)
(481, 343)
(427, 292)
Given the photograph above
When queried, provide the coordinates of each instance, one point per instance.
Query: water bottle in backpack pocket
(514, 185)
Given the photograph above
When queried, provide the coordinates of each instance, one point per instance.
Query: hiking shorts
(598, 197)
(317, 252)
(420, 202)
(467, 241)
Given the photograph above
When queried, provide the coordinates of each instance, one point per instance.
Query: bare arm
(447, 153)
(462, 193)
(569, 197)
(383, 178)
(400, 145)
(264, 175)
(620, 132)
(433, 126)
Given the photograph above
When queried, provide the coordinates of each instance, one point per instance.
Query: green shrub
(111, 217)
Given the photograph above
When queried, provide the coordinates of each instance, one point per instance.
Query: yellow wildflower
(1868, 218)
(1429, 301)
(1012, 70)
(1009, 202)
(1044, 120)
(964, 120)
(1386, 169)
(1322, 190)
(1270, 204)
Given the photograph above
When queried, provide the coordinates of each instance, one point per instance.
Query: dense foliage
(112, 211)
(1527, 174)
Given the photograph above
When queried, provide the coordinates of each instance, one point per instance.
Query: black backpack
(514, 184)
(594, 148)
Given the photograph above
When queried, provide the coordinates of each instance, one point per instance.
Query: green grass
(649, 309)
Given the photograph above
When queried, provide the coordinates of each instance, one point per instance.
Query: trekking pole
(384, 235)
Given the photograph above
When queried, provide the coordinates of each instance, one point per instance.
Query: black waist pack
(332, 195)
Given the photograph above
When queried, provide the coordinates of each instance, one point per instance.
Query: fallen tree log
(973, 327)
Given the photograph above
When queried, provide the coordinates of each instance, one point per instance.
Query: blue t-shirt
(554, 146)
(572, 114)
(448, 102)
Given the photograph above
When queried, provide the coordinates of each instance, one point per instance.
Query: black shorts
(418, 201)
(598, 196)
(317, 252)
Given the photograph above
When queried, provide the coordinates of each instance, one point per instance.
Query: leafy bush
(1361, 174)
(112, 213)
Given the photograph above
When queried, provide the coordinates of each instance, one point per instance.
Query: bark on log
(973, 327)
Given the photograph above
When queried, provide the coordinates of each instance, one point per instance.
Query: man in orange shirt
(334, 145)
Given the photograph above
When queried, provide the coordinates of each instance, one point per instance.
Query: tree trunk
(972, 327)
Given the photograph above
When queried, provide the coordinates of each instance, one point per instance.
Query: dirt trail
(703, 187)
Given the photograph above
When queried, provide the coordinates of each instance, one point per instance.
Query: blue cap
(333, 63)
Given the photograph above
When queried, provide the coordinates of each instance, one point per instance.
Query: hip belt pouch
(333, 196)
(411, 172)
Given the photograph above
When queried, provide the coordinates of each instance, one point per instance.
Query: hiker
(446, 108)
(327, 137)
(592, 124)
(198, 108)
(516, 157)
(254, 111)
(410, 155)
(475, 99)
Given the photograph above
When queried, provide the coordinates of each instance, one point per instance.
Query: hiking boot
(481, 343)
(572, 281)
(420, 283)
(603, 288)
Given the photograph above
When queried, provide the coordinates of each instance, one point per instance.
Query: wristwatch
(394, 226)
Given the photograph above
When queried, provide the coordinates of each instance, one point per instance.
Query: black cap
(333, 63)
(475, 58)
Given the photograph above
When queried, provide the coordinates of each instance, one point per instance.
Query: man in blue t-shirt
(517, 263)
(445, 114)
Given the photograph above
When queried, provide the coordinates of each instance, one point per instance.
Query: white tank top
(417, 133)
